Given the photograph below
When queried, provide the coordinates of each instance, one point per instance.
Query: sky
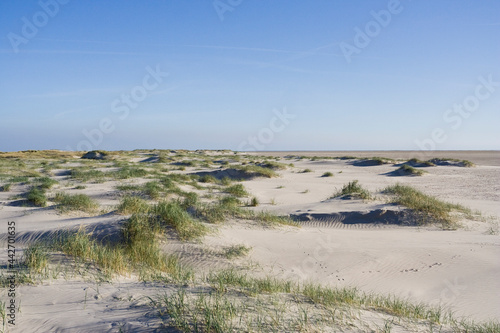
(250, 75)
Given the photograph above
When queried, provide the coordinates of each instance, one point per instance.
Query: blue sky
(249, 75)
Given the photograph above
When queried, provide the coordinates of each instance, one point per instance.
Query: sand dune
(373, 245)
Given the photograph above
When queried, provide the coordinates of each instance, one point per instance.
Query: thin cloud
(74, 93)
(80, 41)
(169, 89)
(258, 49)
(65, 113)
(7, 51)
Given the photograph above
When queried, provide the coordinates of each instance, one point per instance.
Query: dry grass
(40, 154)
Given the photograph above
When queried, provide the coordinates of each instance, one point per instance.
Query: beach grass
(6, 187)
(408, 170)
(37, 197)
(235, 251)
(236, 190)
(431, 208)
(75, 202)
(172, 214)
(353, 189)
(45, 182)
(36, 258)
(132, 205)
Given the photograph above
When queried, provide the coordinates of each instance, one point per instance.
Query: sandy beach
(372, 244)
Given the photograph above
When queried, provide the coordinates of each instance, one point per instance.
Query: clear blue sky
(348, 80)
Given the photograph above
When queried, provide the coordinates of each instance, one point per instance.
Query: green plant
(128, 172)
(173, 214)
(37, 197)
(132, 205)
(306, 171)
(36, 258)
(237, 190)
(138, 252)
(432, 209)
(457, 162)
(272, 219)
(207, 179)
(327, 174)
(190, 200)
(235, 251)
(152, 189)
(417, 161)
(227, 206)
(380, 160)
(87, 175)
(252, 171)
(46, 182)
(409, 170)
(273, 165)
(468, 164)
(353, 189)
(254, 202)
(81, 202)
(5, 187)
(19, 179)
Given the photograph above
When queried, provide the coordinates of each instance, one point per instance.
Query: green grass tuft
(76, 202)
(257, 171)
(273, 165)
(408, 170)
(5, 187)
(153, 190)
(132, 205)
(128, 172)
(45, 182)
(353, 189)
(174, 215)
(88, 175)
(236, 251)
(432, 209)
(36, 258)
(236, 190)
(208, 179)
(37, 197)
(254, 202)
